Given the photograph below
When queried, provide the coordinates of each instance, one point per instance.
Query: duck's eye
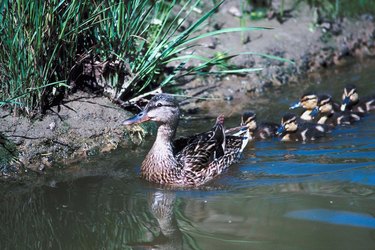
(159, 105)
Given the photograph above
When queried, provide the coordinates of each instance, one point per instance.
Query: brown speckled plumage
(190, 161)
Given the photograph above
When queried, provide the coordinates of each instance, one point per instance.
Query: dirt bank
(86, 124)
(314, 44)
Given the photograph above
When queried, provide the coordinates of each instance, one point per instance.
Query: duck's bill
(280, 130)
(314, 112)
(344, 103)
(295, 105)
(141, 117)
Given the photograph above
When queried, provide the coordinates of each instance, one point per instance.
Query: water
(318, 195)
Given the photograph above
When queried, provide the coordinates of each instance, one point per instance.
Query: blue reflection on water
(347, 156)
(334, 217)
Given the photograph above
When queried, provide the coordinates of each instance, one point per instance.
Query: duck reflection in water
(168, 236)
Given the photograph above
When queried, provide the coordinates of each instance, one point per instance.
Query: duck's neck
(160, 160)
(165, 134)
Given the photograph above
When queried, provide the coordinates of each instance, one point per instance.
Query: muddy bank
(83, 125)
(312, 43)
(86, 124)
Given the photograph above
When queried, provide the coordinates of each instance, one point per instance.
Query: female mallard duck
(309, 102)
(326, 115)
(293, 130)
(351, 102)
(261, 131)
(187, 161)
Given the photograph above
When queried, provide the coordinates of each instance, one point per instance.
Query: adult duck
(190, 161)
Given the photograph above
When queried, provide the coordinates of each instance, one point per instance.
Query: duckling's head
(350, 96)
(288, 124)
(325, 103)
(248, 119)
(162, 108)
(307, 101)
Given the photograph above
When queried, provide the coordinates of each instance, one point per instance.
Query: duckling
(262, 131)
(326, 114)
(293, 130)
(189, 161)
(351, 102)
(309, 102)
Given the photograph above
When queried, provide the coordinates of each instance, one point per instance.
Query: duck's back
(312, 131)
(307, 132)
(365, 105)
(205, 155)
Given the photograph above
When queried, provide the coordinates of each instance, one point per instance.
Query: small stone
(41, 167)
(235, 12)
(52, 126)
(46, 162)
(228, 98)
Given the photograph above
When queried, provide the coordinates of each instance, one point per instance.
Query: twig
(133, 101)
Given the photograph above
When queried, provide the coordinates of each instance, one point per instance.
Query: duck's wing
(210, 153)
(203, 169)
(216, 133)
(198, 151)
(365, 105)
(313, 130)
(198, 155)
(206, 154)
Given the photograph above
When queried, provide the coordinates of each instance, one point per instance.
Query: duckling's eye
(159, 105)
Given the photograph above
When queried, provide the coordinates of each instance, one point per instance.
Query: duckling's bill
(280, 130)
(295, 105)
(345, 103)
(314, 112)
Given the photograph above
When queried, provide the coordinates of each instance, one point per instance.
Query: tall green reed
(38, 41)
(129, 45)
(145, 39)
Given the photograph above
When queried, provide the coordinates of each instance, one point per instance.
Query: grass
(152, 40)
(129, 46)
(37, 46)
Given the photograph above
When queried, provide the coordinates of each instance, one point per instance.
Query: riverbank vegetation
(122, 49)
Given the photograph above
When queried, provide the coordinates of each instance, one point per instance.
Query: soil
(87, 124)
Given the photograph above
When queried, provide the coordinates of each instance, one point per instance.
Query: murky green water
(318, 195)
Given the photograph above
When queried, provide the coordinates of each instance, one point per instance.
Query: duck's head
(324, 105)
(162, 108)
(248, 120)
(288, 124)
(350, 95)
(307, 101)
